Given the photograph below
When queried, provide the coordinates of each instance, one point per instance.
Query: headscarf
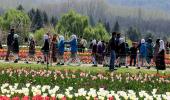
(143, 41)
(99, 43)
(73, 37)
(121, 40)
(16, 36)
(31, 36)
(162, 45)
(94, 42)
(46, 37)
(61, 38)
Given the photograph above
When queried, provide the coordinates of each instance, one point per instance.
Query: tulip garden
(29, 83)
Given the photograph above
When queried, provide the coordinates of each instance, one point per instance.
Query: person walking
(122, 52)
(160, 58)
(142, 52)
(112, 45)
(149, 52)
(94, 52)
(61, 50)
(133, 54)
(16, 48)
(45, 49)
(74, 49)
(31, 52)
(53, 49)
(10, 40)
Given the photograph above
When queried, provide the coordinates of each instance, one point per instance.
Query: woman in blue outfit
(74, 48)
(61, 50)
(142, 52)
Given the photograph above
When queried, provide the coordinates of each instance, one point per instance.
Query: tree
(38, 21)
(149, 35)
(134, 34)
(116, 27)
(53, 21)
(100, 32)
(72, 23)
(107, 26)
(45, 18)
(20, 7)
(89, 33)
(31, 14)
(17, 19)
(39, 35)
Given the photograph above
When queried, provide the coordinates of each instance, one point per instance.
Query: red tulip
(64, 98)
(15, 98)
(25, 98)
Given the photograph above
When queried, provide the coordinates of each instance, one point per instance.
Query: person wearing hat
(16, 48)
(10, 40)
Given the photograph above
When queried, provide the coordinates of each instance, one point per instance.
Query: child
(45, 49)
(53, 48)
(31, 53)
(133, 54)
(61, 50)
(16, 48)
(74, 49)
(94, 51)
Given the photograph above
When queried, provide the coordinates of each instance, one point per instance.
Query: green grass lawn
(77, 68)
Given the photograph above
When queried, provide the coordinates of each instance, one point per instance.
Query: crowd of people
(112, 53)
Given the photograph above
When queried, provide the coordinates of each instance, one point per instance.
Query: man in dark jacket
(1, 45)
(112, 45)
(10, 40)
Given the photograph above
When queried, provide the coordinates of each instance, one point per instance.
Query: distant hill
(146, 4)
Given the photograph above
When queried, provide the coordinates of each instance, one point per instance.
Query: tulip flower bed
(29, 84)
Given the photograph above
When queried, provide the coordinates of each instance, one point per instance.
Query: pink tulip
(47, 98)
(64, 98)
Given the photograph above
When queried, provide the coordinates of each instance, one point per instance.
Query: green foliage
(89, 33)
(116, 27)
(149, 35)
(72, 23)
(38, 35)
(17, 19)
(100, 32)
(134, 34)
(38, 20)
(53, 21)
(20, 7)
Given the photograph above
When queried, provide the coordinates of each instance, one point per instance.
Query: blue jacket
(73, 45)
(61, 46)
(143, 50)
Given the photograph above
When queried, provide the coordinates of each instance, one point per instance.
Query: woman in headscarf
(45, 49)
(61, 50)
(149, 53)
(74, 49)
(53, 48)
(122, 52)
(160, 58)
(31, 52)
(142, 52)
(94, 51)
(99, 55)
